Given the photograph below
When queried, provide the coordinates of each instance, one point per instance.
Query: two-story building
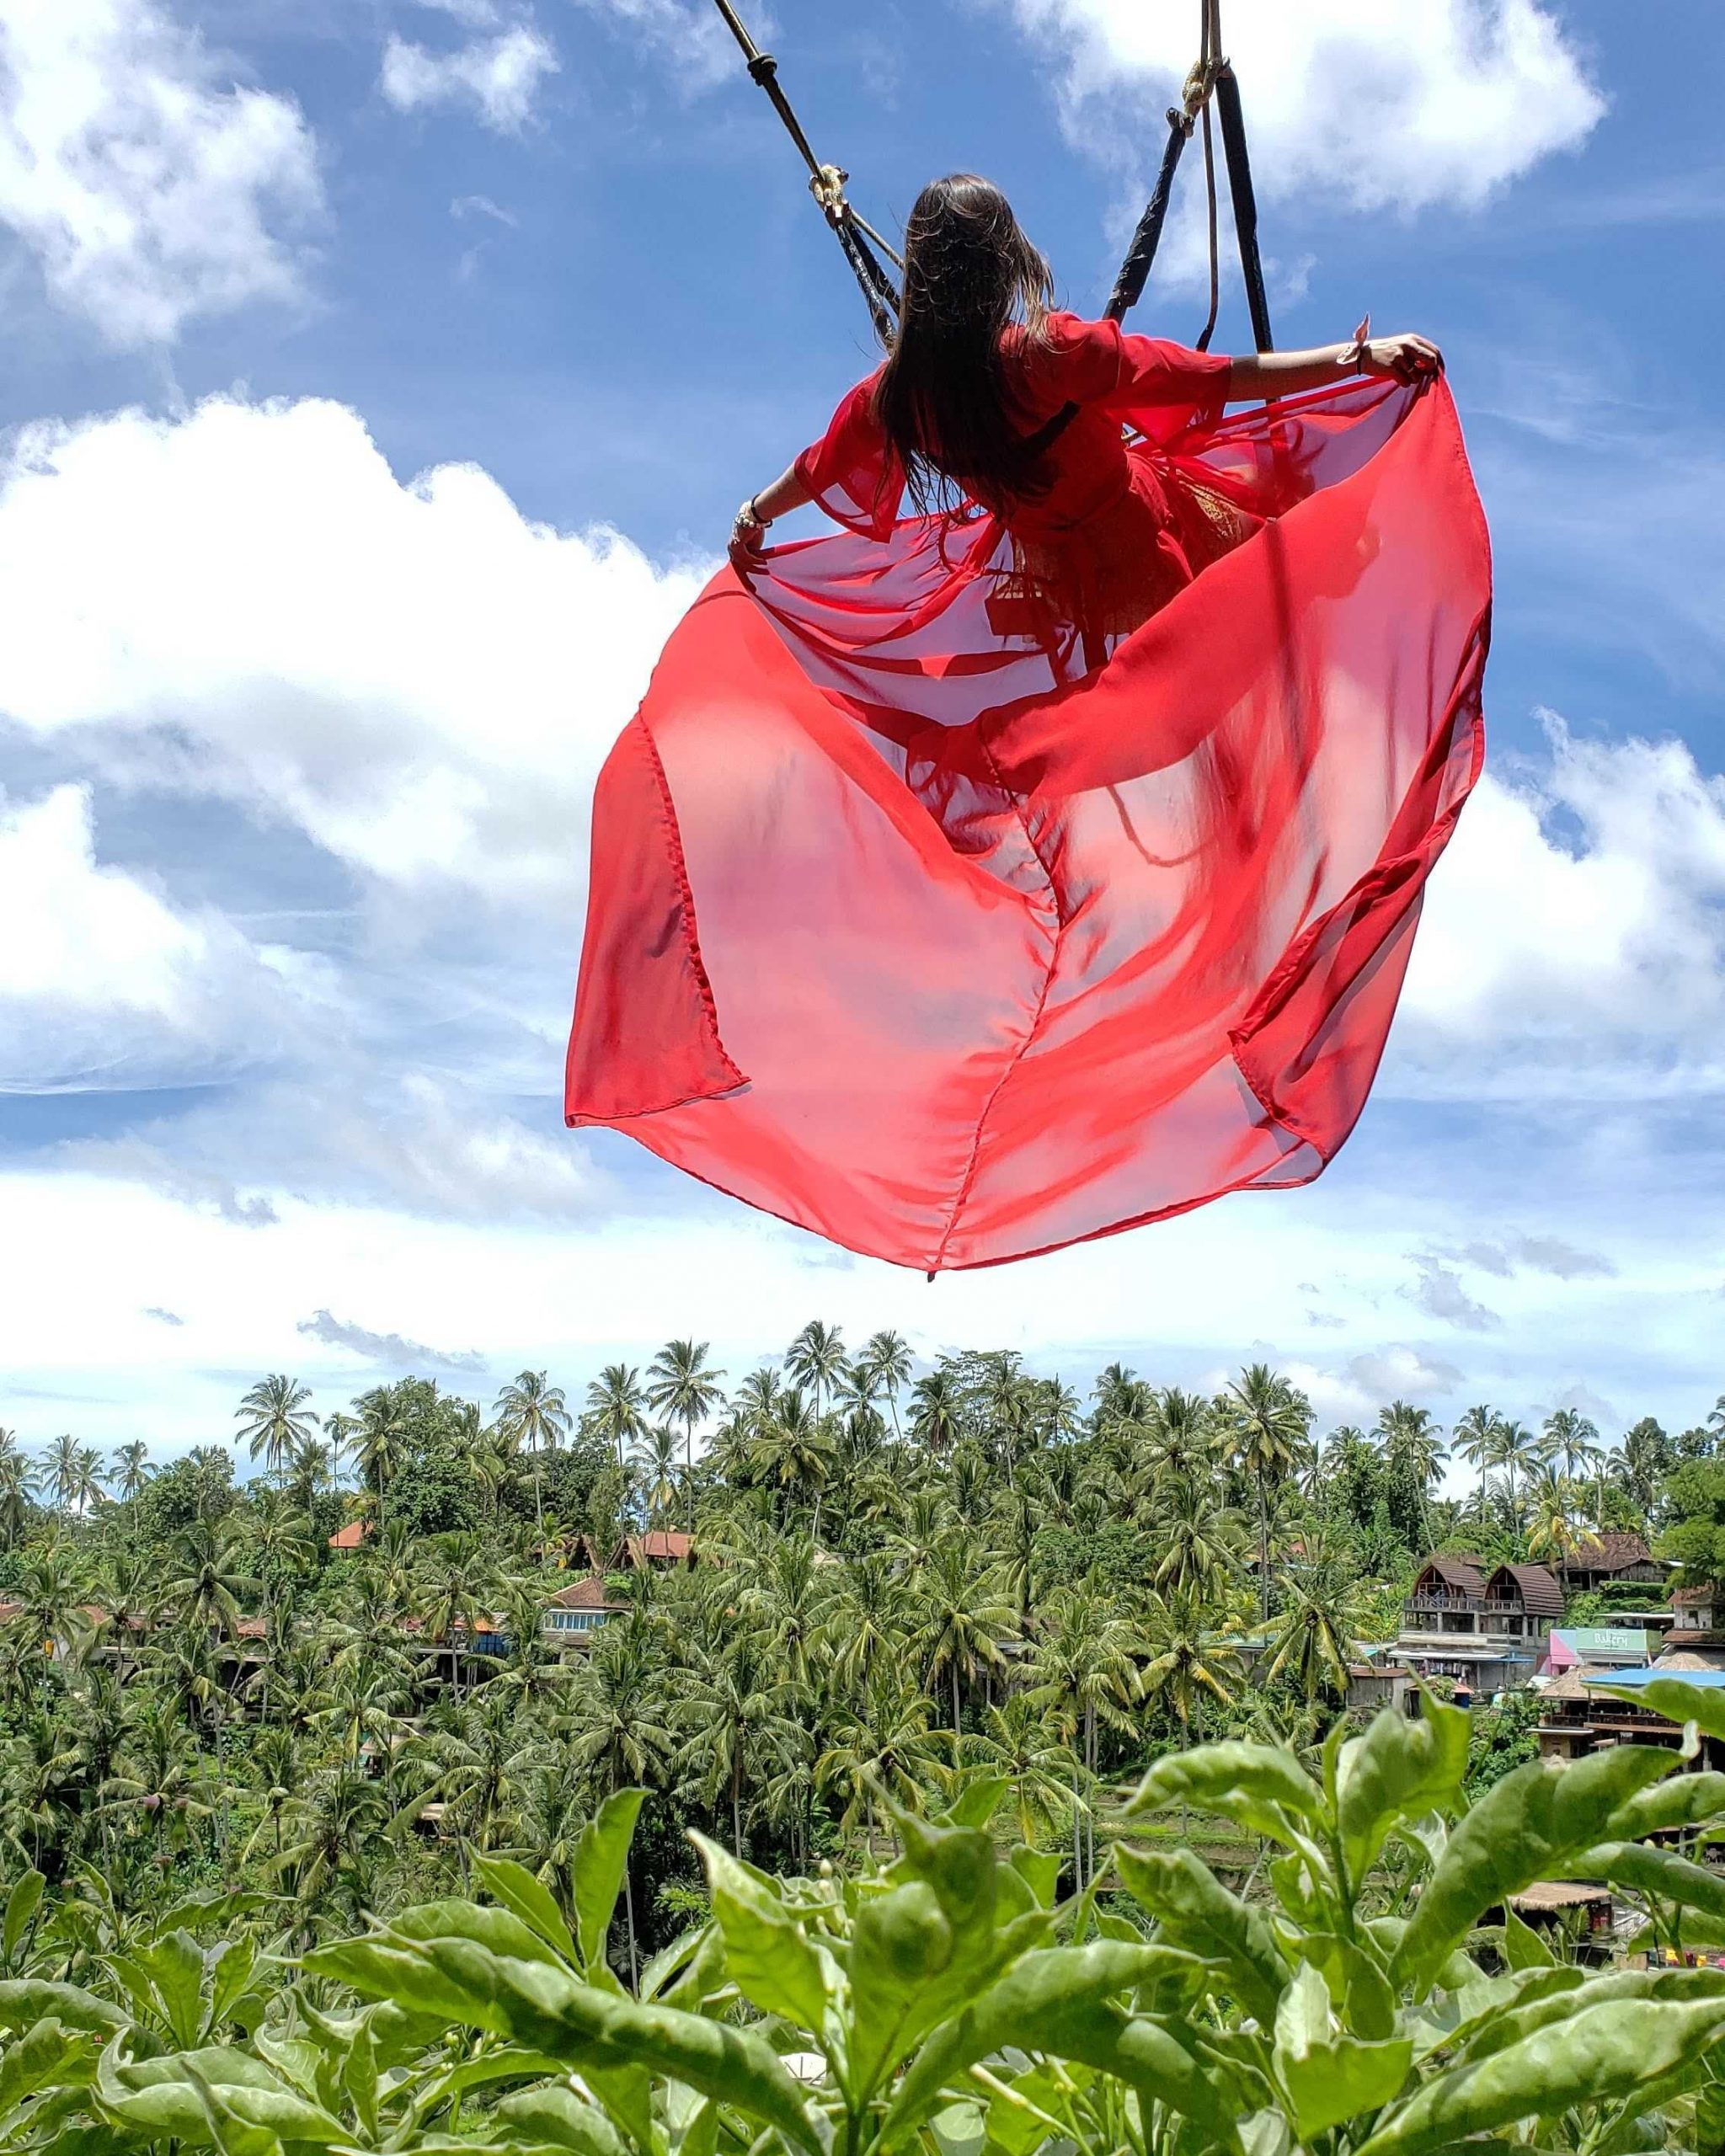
(1480, 1626)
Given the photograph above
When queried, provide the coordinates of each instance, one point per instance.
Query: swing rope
(826, 182)
(1213, 76)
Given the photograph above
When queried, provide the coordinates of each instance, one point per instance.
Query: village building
(574, 1613)
(1482, 1628)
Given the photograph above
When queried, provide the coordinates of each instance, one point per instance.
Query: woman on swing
(992, 396)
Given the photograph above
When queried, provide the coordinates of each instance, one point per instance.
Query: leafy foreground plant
(947, 2001)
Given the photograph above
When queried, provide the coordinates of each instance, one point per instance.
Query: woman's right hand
(1406, 358)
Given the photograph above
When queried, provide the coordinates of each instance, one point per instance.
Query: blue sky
(380, 377)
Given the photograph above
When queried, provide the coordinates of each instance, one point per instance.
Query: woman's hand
(1406, 358)
(748, 536)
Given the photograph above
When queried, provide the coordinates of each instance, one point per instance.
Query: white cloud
(1439, 1293)
(687, 34)
(247, 603)
(1386, 107)
(500, 77)
(150, 186)
(108, 983)
(1573, 942)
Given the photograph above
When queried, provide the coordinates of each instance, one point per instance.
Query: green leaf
(1330, 2077)
(1523, 1829)
(1060, 2001)
(558, 2118)
(1196, 1912)
(1691, 1800)
(977, 1801)
(1523, 1947)
(1545, 2002)
(1254, 1783)
(1398, 1770)
(1660, 1872)
(1677, 1701)
(1601, 2054)
(766, 1950)
(1359, 1989)
(601, 1857)
(928, 1944)
(26, 2000)
(48, 2054)
(1040, 1871)
(541, 2005)
(171, 2095)
(531, 1901)
(21, 1904)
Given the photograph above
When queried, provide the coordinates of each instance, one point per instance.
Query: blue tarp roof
(1706, 1680)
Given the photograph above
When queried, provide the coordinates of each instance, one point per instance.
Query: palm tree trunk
(737, 1803)
(1263, 1551)
(957, 1731)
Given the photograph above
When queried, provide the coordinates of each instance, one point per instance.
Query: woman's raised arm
(1404, 358)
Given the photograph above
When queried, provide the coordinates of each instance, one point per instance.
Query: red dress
(1118, 528)
(931, 910)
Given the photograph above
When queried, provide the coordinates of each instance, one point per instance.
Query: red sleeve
(852, 472)
(1098, 363)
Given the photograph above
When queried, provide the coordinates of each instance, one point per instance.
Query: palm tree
(1323, 1610)
(1551, 1532)
(380, 1438)
(884, 1365)
(131, 1471)
(457, 1596)
(1200, 1537)
(881, 1743)
(655, 1455)
(1023, 1747)
(1083, 1672)
(1269, 1421)
(204, 1587)
(1185, 1662)
(70, 1474)
(1478, 1440)
(793, 1450)
(735, 1714)
(1515, 1450)
(962, 1617)
(616, 1407)
(936, 1412)
(682, 1389)
(815, 1359)
(273, 1420)
(340, 1430)
(1414, 1450)
(530, 1413)
(19, 1483)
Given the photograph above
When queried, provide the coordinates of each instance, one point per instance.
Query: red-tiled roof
(1536, 1585)
(666, 1545)
(1616, 1550)
(1686, 1597)
(351, 1536)
(590, 1593)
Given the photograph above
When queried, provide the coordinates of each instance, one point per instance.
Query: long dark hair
(943, 397)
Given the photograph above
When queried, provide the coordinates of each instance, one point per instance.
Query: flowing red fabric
(946, 941)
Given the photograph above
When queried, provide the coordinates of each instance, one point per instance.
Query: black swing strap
(826, 182)
(1212, 77)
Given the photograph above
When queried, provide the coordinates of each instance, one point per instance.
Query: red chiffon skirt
(955, 947)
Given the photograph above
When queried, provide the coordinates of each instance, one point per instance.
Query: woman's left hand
(1406, 358)
(747, 535)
